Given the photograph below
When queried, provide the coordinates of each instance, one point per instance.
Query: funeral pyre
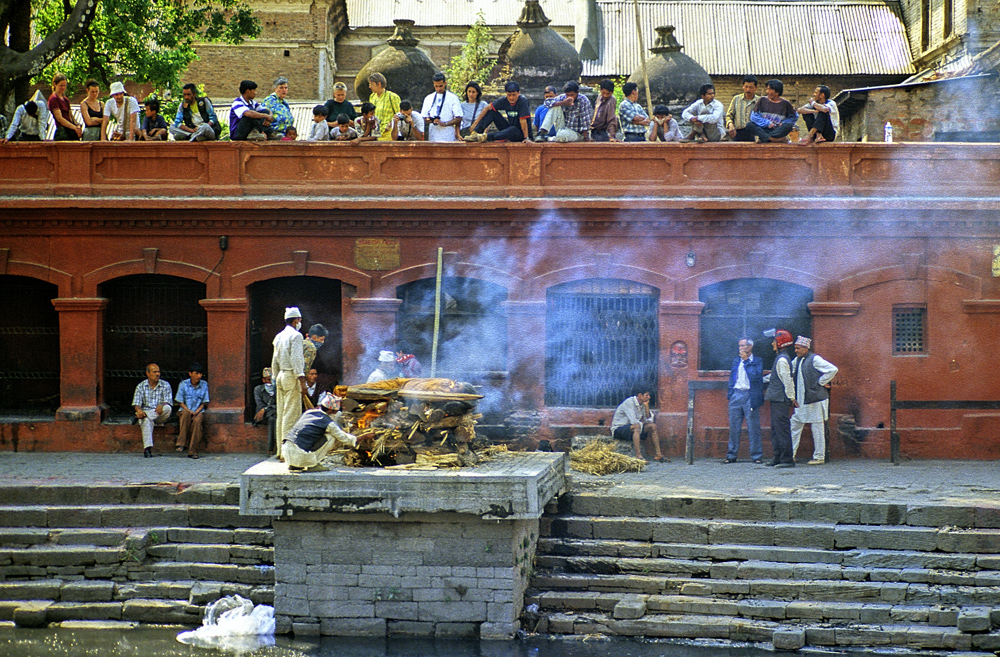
(411, 423)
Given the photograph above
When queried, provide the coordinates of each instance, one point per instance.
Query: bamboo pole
(642, 59)
(437, 314)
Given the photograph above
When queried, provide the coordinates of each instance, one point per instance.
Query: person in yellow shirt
(386, 104)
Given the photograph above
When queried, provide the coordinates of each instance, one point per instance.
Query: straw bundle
(600, 458)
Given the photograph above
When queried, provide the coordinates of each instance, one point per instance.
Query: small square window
(909, 330)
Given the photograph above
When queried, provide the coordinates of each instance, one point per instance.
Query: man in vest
(781, 393)
(314, 434)
(812, 377)
(288, 365)
(195, 120)
(746, 396)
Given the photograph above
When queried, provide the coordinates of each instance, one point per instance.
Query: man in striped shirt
(739, 111)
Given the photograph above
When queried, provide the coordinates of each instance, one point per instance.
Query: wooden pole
(642, 58)
(437, 313)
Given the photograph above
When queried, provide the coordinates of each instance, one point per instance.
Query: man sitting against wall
(151, 402)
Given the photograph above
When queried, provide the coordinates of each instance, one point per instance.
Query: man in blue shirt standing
(746, 396)
(192, 396)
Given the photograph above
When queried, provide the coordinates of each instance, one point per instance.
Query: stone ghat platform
(376, 552)
(519, 174)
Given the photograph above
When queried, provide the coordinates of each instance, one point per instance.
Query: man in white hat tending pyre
(314, 434)
(386, 367)
(288, 365)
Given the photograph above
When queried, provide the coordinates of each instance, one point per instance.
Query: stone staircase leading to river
(137, 553)
(793, 573)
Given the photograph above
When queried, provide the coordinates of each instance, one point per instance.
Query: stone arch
(693, 284)
(452, 268)
(357, 278)
(61, 279)
(849, 286)
(150, 264)
(603, 268)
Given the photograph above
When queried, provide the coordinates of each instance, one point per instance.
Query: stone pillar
(369, 325)
(227, 359)
(81, 358)
(679, 323)
(526, 353)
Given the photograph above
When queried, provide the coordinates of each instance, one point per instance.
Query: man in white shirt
(821, 116)
(386, 367)
(442, 111)
(407, 125)
(288, 364)
(125, 110)
(634, 420)
(706, 116)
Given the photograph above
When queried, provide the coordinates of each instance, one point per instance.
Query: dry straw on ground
(600, 458)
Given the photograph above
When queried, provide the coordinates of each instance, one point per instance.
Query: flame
(368, 418)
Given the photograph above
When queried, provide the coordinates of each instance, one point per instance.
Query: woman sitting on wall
(281, 113)
(473, 104)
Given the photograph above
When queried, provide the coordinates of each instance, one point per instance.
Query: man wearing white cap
(125, 110)
(812, 377)
(314, 434)
(288, 364)
(386, 367)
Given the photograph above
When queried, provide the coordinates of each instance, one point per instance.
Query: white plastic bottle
(888, 132)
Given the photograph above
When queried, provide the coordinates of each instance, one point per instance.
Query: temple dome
(407, 69)
(537, 55)
(674, 78)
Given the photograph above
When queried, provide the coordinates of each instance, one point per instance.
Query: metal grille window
(748, 307)
(909, 328)
(472, 342)
(151, 319)
(602, 341)
(29, 346)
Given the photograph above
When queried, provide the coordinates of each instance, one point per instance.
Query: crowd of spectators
(442, 116)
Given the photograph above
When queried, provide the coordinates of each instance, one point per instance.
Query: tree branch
(18, 65)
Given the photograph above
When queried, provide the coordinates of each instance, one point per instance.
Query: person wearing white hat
(314, 434)
(386, 367)
(125, 111)
(288, 364)
(812, 377)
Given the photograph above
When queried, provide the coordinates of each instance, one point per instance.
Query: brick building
(563, 287)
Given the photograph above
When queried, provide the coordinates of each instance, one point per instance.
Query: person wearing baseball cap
(781, 393)
(314, 434)
(812, 375)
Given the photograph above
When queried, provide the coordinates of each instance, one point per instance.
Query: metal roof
(462, 13)
(760, 38)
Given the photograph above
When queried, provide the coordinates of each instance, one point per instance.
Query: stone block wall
(426, 575)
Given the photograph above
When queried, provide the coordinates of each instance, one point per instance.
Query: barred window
(909, 330)
(602, 341)
(748, 307)
(29, 346)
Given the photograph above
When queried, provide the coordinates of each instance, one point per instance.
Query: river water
(161, 642)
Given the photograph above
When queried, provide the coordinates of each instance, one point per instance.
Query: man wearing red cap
(812, 376)
(781, 393)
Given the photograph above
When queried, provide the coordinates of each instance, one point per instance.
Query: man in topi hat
(289, 365)
(781, 393)
(386, 367)
(812, 377)
(314, 434)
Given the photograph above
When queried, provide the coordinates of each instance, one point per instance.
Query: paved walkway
(940, 482)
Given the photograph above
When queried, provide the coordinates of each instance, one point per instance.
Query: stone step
(173, 612)
(63, 555)
(224, 553)
(776, 589)
(826, 536)
(695, 626)
(868, 559)
(193, 591)
(756, 569)
(104, 494)
(776, 610)
(21, 537)
(181, 570)
(135, 515)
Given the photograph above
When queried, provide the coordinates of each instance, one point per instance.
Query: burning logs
(410, 422)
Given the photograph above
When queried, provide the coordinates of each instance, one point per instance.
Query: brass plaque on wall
(376, 254)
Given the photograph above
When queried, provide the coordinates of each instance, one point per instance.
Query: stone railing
(582, 171)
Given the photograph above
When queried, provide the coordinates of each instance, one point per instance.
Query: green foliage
(148, 41)
(619, 96)
(474, 62)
